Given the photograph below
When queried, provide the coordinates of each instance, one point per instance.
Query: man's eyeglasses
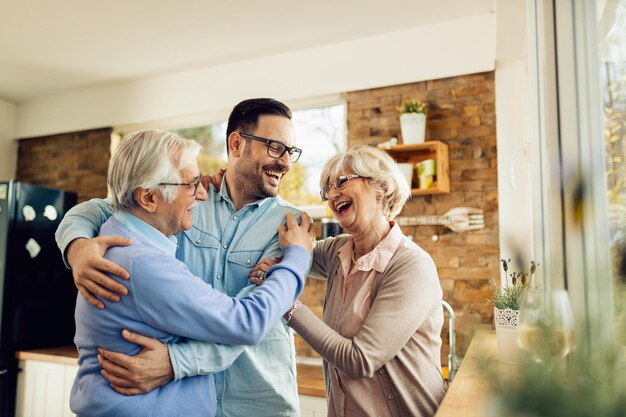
(276, 149)
(193, 184)
(339, 184)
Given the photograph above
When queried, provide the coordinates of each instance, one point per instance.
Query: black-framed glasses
(276, 149)
(193, 184)
(339, 184)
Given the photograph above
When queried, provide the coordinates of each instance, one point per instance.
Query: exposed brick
(461, 114)
(75, 162)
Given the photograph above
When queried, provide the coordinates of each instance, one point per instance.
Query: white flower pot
(413, 126)
(507, 326)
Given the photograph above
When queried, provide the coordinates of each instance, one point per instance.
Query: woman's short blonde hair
(376, 165)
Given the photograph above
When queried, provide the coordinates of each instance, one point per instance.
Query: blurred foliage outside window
(613, 83)
(320, 132)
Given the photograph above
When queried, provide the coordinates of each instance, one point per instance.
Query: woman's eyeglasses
(276, 149)
(193, 184)
(339, 184)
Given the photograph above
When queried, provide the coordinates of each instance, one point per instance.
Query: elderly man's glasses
(276, 149)
(339, 184)
(193, 184)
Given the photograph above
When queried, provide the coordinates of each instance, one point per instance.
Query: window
(584, 180)
(320, 132)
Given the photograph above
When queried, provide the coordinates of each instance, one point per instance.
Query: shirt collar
(222, 194)
(379, 257)
(152, 235)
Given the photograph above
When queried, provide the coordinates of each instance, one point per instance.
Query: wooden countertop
(469, 393)
(66, 355)
(310, 378)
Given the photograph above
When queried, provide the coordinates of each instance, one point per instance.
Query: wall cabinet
(415, 153)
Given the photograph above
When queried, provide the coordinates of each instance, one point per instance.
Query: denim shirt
(221, 248)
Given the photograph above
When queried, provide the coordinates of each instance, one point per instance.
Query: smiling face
(176, 216)
(258, 175)
(355, 205)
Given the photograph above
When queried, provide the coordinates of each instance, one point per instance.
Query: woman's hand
(257, 273)
(302, 234)
(90, 269)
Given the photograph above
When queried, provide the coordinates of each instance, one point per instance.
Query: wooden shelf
(415, 153)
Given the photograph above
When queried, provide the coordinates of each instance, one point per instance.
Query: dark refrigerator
(37, 293)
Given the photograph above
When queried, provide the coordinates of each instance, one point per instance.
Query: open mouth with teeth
(273, 176)
(342, 207)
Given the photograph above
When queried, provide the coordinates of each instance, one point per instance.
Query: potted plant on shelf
(413, 121)
(506, 301)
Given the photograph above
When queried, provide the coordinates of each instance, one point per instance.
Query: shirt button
(234, 217)
(248, 261)
(390, 396)
(225, 246)
(219, 277)
(381, 372)
(198, 241)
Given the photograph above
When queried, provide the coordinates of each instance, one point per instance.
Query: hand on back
(90, 269)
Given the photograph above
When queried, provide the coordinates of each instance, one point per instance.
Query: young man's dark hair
(245, 115)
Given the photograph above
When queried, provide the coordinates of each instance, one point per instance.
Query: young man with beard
(232, 230)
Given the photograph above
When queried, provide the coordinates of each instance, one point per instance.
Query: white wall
(515, 150)
(8, 145)
(462, 46)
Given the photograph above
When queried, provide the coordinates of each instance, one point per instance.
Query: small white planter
(413, 126)
(507, 326)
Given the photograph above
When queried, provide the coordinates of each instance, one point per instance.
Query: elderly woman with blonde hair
(380, 332)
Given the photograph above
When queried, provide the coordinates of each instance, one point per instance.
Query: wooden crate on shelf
(415, 153)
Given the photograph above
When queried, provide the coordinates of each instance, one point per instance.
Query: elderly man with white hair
(155, 185)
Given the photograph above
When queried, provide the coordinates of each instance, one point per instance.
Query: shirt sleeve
(168, 297)
(402, 305)
(82, 221)
(194, 357)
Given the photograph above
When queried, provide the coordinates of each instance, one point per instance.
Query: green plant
(413, 106)
(510, 296)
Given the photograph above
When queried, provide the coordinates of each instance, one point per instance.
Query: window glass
(611, 32)
(320, 133)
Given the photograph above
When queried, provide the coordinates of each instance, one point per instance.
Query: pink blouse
(346, 311)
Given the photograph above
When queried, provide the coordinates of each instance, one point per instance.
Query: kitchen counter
(310, 378)
(469, 393)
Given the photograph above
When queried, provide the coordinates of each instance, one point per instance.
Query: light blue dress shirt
(165, 301)
(221, 248)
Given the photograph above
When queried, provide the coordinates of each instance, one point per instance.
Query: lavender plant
(515, 283)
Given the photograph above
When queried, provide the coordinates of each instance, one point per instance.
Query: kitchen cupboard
(43, 389)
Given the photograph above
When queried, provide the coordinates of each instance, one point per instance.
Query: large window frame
(572, 232)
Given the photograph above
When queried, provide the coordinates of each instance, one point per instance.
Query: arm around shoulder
(82, 221)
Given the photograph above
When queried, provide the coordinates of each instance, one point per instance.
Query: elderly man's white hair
(145, 159)
(381, 170)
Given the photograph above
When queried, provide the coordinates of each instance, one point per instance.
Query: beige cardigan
(399, 342)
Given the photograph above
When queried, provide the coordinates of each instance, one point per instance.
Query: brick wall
(75, 162)
(461, 114)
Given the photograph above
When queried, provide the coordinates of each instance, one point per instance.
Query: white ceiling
(47, 47)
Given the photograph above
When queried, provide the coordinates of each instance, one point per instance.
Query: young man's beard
(250, 180)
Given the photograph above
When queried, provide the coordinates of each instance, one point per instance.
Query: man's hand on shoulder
(90, 268)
